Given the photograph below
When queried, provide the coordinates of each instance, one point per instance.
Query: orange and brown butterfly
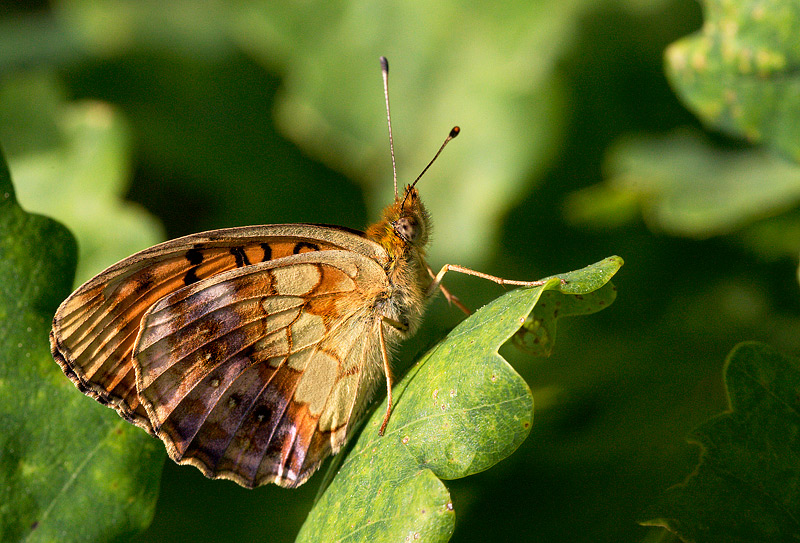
(252, 352)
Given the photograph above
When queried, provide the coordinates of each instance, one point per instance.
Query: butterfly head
(405, 225)
(412, 221)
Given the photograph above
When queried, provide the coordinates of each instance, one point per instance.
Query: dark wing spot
(267, 252)
(298, 248)
(194, 256)
(190, 277)
(262, 413)
(240, 256)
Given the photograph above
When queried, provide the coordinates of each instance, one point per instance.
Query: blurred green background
(132, 122)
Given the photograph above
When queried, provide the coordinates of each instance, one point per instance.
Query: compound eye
(407, 228)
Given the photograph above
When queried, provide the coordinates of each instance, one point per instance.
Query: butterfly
(252, 352)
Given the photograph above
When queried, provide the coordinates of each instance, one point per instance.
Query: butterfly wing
(95, 329)
(255, 374)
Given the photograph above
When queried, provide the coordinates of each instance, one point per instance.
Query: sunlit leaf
(739, 73)
(461, 409)
(538, 333)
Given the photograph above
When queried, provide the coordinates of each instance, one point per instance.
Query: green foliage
(687, 187)
(461, 409)
(71, 161)
(739, 74)
(747, 486)
(332, 100)
(70, 469)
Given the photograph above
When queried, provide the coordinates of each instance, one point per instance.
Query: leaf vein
(368, 446)
(69, 482)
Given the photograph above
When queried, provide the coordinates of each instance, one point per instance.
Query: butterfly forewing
(96, 328)
(254, 374)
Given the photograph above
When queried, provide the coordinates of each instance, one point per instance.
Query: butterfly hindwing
(253, 374)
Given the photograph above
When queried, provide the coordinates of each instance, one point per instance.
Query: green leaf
(70, 469)
(686, 187)
(739, 74)
(461, 409)
(538, 333)
(747, 486)
(71, 161)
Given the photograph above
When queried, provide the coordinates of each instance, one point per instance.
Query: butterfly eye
(407, 228)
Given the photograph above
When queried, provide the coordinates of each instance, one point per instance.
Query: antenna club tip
(384, 64)
(455, 131)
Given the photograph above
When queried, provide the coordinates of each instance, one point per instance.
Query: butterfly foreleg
(437, 280)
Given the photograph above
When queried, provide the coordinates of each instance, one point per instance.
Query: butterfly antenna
(385, 74)
(455, 131)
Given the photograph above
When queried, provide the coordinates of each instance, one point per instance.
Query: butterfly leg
(449, 296)
(388, 372)
(437, 280)
(387, 369)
